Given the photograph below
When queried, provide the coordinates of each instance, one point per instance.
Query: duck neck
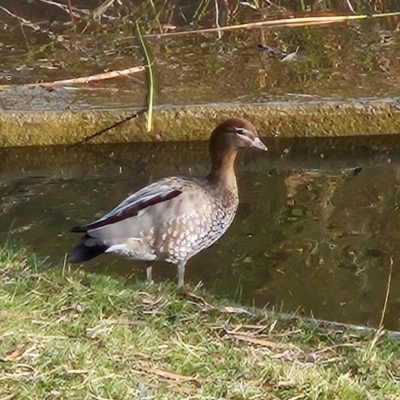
(222, 170)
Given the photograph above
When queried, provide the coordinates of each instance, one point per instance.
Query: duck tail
(86, 250)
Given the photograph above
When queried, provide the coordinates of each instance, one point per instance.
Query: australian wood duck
(177, 217)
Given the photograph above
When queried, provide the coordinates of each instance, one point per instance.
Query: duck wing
(156, 193)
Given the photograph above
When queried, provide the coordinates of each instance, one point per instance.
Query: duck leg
(181, 273)
(149, 270)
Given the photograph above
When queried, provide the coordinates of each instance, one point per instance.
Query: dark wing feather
(83, 252)
(130, 207)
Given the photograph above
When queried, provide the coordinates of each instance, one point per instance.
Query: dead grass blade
(168, 375)
(387, 292)
(197, 299)
(207, 306)
(102, 9)
(380, 332)
(183, 390)
(124, 321)
(289, 22)
(255, 340)
(233, 310)
(78, 371)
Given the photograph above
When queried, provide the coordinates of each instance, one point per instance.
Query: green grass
(74, 335)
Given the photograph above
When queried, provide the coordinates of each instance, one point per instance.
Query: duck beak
(259, 144)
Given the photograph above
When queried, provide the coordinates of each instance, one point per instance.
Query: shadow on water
(317, 223)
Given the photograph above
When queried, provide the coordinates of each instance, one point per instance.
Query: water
(317, 225)
(346, 61)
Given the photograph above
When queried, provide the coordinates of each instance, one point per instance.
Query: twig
(69, 5)
(96, 134)
(20, 19)
(83, 79)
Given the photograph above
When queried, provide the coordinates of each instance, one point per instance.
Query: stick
(83, 79)
(96, 134)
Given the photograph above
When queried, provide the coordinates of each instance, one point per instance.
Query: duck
(176, 217)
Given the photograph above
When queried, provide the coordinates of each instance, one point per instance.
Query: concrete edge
(324, 119)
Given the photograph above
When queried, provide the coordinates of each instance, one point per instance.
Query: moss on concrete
(195, 122)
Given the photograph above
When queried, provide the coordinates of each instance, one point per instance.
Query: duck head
(235, 133)
(225, 141)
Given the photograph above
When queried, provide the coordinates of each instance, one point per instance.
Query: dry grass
(86, 336)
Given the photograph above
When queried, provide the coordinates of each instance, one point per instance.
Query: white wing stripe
(142, 196)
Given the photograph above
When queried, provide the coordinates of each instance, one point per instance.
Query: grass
(74, 335)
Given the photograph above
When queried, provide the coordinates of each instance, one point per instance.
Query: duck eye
(240, 131)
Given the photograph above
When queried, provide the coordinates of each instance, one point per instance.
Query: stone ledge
(315, 119)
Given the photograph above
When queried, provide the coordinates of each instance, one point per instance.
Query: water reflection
(316, 228)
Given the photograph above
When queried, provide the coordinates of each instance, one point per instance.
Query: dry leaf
(8, 397)
(13, 354)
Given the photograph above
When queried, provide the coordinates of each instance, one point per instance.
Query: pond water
(317, 226)
(358, 60)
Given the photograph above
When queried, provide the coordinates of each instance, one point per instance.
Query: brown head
(235, 133)
(226, 139)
